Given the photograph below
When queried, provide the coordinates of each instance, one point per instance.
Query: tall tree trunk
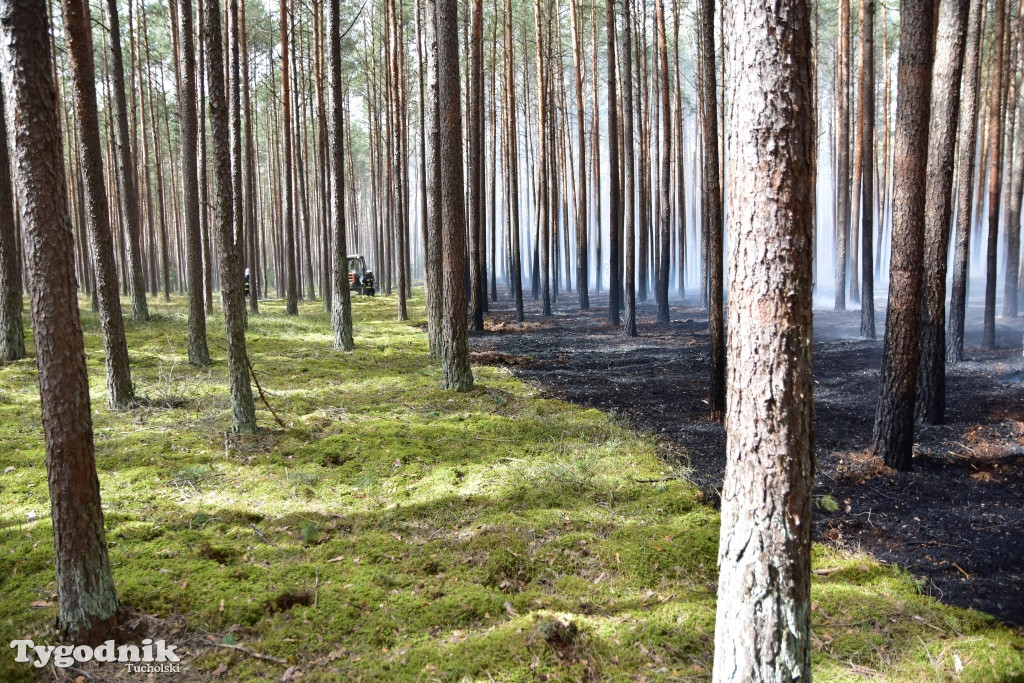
(126, 171)
(12, 334)
(303, 251)
(665, 221)
(596, 134)
(842, 230)
(762, 630)
(545, 207)
(78, 32)
(582, 218)
(341, 305)
(866, 116)
(946, 78)
(198, 351)
(513, 164)
(234, 74)
(204, 222)
(712, 199)
(629, 228)
(250, 200)
(615, 199)
(455, 369)
(434, 247)
(894, 417)
(475, 159)
(243, 410)
(161, 207)
(967, 142)
(995, 168)
(1011, 282)
(86, 599)
(291, 274)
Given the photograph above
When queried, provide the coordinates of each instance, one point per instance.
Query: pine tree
(762, 630)
(86, 599)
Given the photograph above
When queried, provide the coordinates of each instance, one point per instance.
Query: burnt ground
(956, 522)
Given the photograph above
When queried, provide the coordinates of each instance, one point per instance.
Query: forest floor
(956, 521)
(392, 531)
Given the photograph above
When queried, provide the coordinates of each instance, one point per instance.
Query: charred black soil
(956, 522)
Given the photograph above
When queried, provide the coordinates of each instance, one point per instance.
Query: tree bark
(243, 410)
(967, 142)
(946, 78)
(665, 220)
(762, 630)
(629, 227)
(434, 248)
(545, 206)
(455, 369)
(291, 274)
(198, 351)
(251, 200)
(1011, 278)
(582, 219)
(475, 160)
(866, 114)
(614, 190)
(86, 599)
(513, 165)
(126, 171)
(995, 168)
(894, 417)
(341, 304)
(842, 230)
(712, 197)
(78, 33)
(12, 334)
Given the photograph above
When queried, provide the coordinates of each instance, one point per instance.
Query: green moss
(394, 531)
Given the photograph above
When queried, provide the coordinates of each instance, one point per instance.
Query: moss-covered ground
(394, 531)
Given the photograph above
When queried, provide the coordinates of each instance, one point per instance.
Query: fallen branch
(254, 655)
(264, 398)
(950, 545)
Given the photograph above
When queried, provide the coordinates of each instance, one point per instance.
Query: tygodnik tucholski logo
(150, 657)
